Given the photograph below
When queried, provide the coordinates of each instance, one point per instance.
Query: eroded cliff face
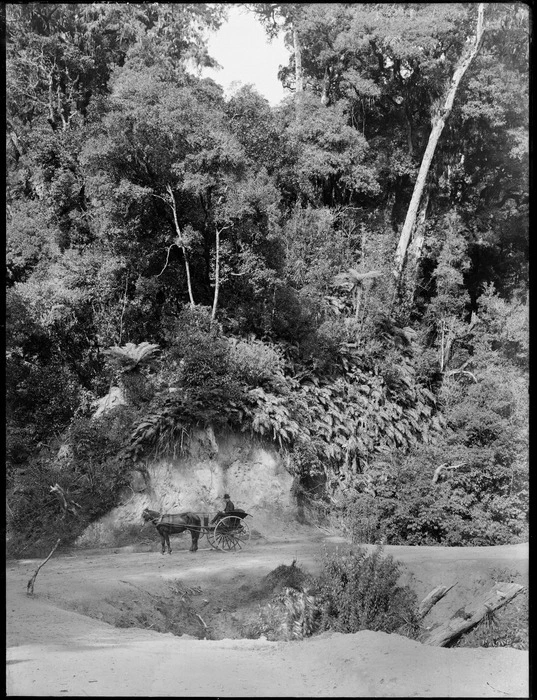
(253, 473)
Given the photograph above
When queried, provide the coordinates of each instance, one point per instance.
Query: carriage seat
(239, 512)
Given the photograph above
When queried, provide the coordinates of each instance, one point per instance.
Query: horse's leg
(162, 542)
(195, 537)
(168, 542)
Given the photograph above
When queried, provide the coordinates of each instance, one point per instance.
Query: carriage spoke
(229, 534)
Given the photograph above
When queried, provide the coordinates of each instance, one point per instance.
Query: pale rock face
(115, 397)
(253, 473)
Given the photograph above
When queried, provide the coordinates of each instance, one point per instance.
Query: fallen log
(31, 582)
(464, 620)
(432, 598)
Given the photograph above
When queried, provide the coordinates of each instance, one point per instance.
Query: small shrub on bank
(355, 591)
(359, 591)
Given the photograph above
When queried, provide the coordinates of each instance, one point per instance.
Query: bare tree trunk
(418, 238)
(325, 97)
(409, 278)
(180, 242)
(299, 77)
(438, 126)
(217, 272)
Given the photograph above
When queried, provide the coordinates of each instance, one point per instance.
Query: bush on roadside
(359, 591)
(354, 591)
(93, 477)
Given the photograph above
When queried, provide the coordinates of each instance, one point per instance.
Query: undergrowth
(354, 591)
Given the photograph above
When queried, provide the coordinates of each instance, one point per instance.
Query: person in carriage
(228, 508)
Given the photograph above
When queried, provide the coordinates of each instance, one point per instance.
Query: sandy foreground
(53, 650)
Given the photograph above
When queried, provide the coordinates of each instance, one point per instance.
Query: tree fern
(131, 356)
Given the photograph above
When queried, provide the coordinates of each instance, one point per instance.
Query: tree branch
(445, 466)
(31, 582)
(167, 258)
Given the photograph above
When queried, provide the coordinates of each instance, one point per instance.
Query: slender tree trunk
(325, 98)
(438, 126)
(357, 300)
(299, 77)
(180, 242)
(415, 250)
(217, 272)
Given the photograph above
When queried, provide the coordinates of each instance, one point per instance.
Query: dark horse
(173, 524)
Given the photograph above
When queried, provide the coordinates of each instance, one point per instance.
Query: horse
(172, 524)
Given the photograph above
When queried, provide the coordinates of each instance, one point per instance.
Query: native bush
(41, 398)
(290, 615)
(257, 364)
(483, 502)
(93, 476)
(359, 590)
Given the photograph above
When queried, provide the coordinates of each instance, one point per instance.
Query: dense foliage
(354, 591)
(230, 263)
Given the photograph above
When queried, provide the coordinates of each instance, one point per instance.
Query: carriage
(229, 532)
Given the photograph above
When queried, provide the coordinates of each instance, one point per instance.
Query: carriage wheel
(231, 533)
(210, 538)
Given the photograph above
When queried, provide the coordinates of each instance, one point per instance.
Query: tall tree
(438, 122)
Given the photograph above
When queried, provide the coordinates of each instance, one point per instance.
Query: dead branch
(453, 372)
(432, 598)
(498, 596)
(499, 691)
(445, 466)
(31, 582)
(67, 504)
(138, 587)
(167, 258)
(202, 620)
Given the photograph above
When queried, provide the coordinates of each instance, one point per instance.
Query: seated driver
(227, 509)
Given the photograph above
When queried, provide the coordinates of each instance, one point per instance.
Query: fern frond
(132, 355)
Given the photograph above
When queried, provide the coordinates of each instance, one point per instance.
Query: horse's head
(149, 514)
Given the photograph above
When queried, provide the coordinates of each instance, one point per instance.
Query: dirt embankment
(60, 641)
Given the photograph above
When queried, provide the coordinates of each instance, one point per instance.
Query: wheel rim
(231, 537)
(211, 540)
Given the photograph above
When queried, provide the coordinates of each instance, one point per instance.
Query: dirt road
(56, 649)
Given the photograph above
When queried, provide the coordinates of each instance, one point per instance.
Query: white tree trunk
(216, 275)
(217, 271)
(299, 78)
(438, 126)
(180, 242)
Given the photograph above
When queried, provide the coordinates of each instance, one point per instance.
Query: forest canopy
(344, 274)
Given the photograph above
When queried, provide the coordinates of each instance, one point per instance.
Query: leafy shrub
(358, 591)
(481, 503)
(257, 364)
(290, 615)
(93, 477)
(41, 398)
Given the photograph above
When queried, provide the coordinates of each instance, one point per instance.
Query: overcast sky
(246, 56)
